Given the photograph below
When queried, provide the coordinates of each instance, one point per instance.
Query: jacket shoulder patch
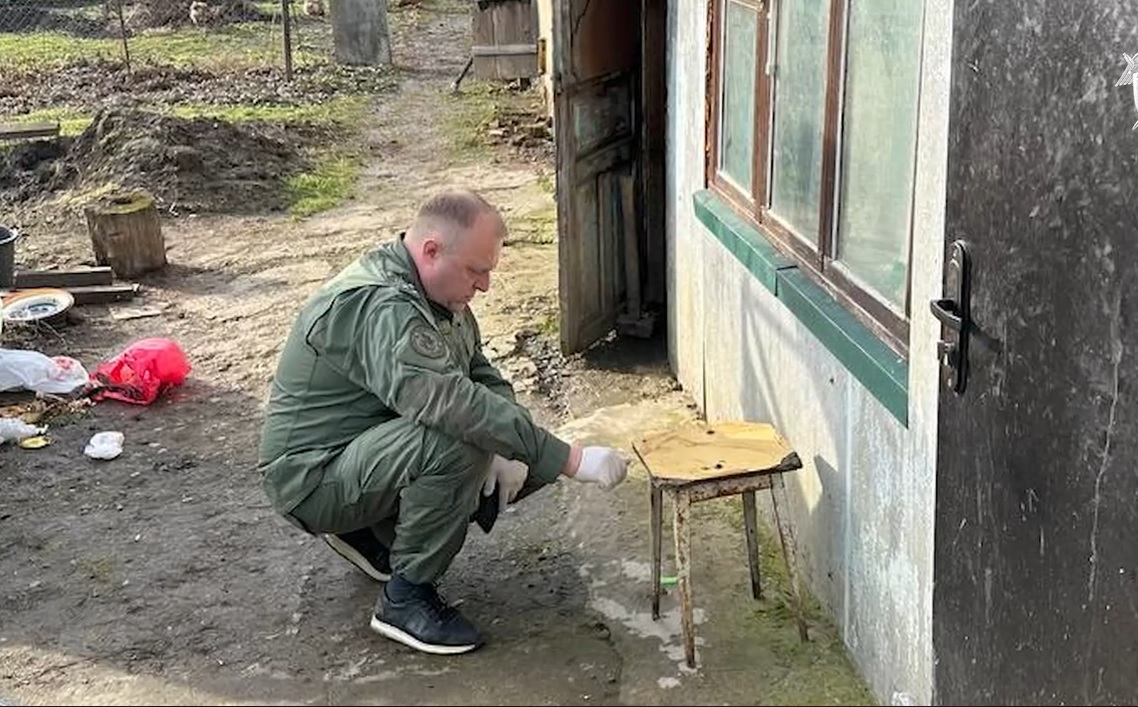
(426, 342)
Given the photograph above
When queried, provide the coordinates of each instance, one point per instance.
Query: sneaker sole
(349, 553)
(398, 634)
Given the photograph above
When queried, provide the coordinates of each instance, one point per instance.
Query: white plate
(36, 304)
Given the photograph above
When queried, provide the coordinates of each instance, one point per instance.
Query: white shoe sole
(397, 634)
(349, 553)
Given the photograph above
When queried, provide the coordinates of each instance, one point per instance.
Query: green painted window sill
(881, 370)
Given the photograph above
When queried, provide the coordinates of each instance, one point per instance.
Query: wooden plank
(681, 532)
(103, 294)
(505, 40)
(64, 278)
(701, 451)
(630, 236)
(780, 504)
(505, 50)
(751, 529)
(515, 23)
(483, 67)
(17, 131)
(656, 533)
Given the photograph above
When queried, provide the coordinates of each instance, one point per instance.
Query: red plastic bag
(142, 372)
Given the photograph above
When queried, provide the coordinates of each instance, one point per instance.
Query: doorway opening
(609, 107)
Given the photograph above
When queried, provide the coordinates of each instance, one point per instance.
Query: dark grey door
(1036, 557)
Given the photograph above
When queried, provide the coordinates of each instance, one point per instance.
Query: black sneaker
(362, 549)
(424, 621)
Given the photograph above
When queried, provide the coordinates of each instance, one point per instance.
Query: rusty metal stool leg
(682, 532)
(750, 524)
(781, 505)
(656, 504)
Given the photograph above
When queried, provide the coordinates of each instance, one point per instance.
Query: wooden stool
(702, 461)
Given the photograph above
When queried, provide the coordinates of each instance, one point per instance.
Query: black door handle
(955, 315)
(947, 311)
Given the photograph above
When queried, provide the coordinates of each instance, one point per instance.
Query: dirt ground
(167, 561)
(162, 576)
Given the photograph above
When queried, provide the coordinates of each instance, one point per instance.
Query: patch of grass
(547, 182)
(235, 46)
(71, 122)
(550, 325)
(337, 111)
(333, 179)
(329, 184)
(470, 115)
(818, 671)
(775, 577)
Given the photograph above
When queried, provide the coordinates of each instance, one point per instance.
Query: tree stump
(126, 234)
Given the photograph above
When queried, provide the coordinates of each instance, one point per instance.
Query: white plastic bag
(104, 445)
(32, 370)
(13, 429)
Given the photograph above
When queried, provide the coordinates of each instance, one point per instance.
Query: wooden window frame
(816, 259)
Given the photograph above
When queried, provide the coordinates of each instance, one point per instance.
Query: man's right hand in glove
(602, 466)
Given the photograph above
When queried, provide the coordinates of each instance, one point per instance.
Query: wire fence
(233, 34)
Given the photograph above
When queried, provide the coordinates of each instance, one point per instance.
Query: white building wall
(864, 515)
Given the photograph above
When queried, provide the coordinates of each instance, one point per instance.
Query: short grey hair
(448, 213)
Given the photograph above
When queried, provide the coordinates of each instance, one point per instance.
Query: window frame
(815, 258)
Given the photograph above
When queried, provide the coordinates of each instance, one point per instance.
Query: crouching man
(387, 431)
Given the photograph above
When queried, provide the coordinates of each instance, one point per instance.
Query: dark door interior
(595, 97)
(609, 106)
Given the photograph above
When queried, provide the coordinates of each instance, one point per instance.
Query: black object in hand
(487, 512)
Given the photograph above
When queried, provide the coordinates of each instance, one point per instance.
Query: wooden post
(286, 26)
(126, 234)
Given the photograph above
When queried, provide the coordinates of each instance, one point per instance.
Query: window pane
(799, 110)
(737, 109)
(879, 143)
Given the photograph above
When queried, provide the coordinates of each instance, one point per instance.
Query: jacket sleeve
(392, 350)
(484, 372)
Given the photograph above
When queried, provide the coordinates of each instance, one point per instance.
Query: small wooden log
(27, 131)
(126, 234)
(64, 278)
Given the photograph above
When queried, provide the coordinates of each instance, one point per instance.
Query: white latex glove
(507, 476)
(602, 466)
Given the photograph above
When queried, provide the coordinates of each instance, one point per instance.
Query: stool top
(702, 451)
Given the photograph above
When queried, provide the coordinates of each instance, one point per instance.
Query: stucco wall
(545, 33)
(864, 501)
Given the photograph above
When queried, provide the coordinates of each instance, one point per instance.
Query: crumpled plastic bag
(13, 429)
(142, 371)
(32, 370)
(104, 445)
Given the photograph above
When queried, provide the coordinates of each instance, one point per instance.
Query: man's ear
(431, 247)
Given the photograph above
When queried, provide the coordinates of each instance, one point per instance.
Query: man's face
(458, 270)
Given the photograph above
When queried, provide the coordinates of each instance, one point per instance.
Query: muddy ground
(162, 577)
